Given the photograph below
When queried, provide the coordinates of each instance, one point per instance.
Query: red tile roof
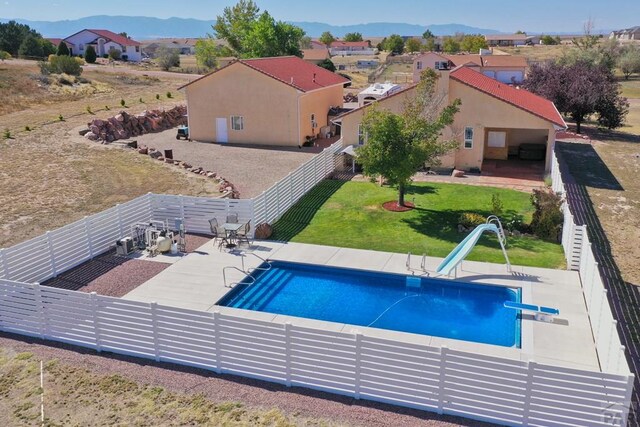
(116, 38)
(290, 70)
(520, 98)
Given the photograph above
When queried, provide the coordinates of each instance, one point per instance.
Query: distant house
(315, 56)
(628, 34)
(343, 48)
(495, 121)
(509, 69)
(184, 46)
(56, 43)
(316, 44)
(506, 39)
(267, 101)
(103, 41)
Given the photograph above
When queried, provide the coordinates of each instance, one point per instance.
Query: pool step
(255, 295)
(414, 282)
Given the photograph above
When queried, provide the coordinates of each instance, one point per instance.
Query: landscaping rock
(143, 150)
(91, 136)
(263, 231)
(155, 154)
(83, 132)
(457, 173)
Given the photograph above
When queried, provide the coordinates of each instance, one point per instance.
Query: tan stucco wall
(318, 103)
(484, 112)
(269, 107)
(428, 60)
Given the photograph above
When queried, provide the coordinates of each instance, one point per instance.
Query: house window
(468, 137)
(81, 47)
(137, 48)
(419, 65)
(314, 124)
(362, 135)
(237, 122)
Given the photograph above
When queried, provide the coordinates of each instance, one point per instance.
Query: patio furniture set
(231, 233)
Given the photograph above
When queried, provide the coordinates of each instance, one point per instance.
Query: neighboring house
(376, 92)
(506, 39)
(103, 41)
(628, 34)
(504, 68)
(184, 46)
(315, 44)
(56, 42)
(267, 101)
(494, 122)
(315, 56)
(343, 48)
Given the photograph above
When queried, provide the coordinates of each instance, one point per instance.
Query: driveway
(252, 169)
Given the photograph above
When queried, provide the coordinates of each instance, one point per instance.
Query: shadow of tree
(587, 167)
(298, 217)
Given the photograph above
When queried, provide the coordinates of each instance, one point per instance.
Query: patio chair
(215, 230)
(242, 235)
(232, 218)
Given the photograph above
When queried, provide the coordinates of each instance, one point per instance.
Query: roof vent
(314, 77)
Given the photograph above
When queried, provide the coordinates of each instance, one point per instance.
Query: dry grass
(51, 177)
(75, 396)
(537, 53)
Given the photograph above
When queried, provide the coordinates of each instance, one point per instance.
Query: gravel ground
(251, 169)
(115, 276)
(228, 388)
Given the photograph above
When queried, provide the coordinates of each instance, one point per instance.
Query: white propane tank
(164, 244)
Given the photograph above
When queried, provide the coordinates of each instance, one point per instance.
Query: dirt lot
(51, 177)
(251, 169)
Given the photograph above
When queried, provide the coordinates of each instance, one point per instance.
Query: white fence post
(154, 327)
(52, 257)
(87, 231)
(287, 353)
(531, 366)
(43, 326)
(358, 358)
(4, 271)
(443, 371)
(216, 338)
(119, 214)
(95, 310)
(182, 209)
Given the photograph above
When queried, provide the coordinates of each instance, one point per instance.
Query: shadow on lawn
(298, 217)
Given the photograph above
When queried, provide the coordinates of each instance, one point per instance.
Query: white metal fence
(580, 257)
(438, 379)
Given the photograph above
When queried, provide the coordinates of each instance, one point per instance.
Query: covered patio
(514, 152)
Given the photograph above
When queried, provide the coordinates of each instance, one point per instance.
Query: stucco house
(315, 56)
(103, 41)
(495, 121)
(509, 69)
(342, 48)
(506, 39)
(266, 101)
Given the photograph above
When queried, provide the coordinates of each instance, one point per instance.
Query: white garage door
(510, 76)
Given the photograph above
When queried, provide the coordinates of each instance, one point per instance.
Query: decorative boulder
(457, 173)
(263, 231)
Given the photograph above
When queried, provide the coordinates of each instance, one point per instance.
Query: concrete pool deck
(195, 282)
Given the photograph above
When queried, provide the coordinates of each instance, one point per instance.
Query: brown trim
(452, 76)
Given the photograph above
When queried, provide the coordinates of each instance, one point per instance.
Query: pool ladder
(423, 263)
(246, 271)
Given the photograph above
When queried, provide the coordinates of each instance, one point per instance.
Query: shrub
(62, 50)
(548, 217)
(157, 96)
(497, 208)
(123, 103)
(115, 54)
(89, 109)
(6, 134)
(141, 100)
(106, 107)
(105, 55)
(4, 55)
(27, 128)
(61, 118)
(90, 55)
(167, 58)
(79, 60)
(471, 220)
(61, 65)
(169, 95)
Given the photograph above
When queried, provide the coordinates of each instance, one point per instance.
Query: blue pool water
(436, 307)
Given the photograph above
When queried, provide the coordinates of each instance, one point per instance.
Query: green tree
(48, 48)
(235, 23)
(521, 32)
(428, 35)
(327, 38)
(394, 44)
(207, 53)
(398, 144)
(328, 64)
(451, 45)
(63, 50)
(31, 47)
(305, 42)
(12, 36)
(167, 58)
(413, 45)
(90, 55)
(430, 45)
(4, 55)
(115, 54)
(629, 61)
(473, 43)
(549, 40)
(352, 37)
(588, 40)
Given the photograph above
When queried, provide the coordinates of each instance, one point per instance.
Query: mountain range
(140, 27)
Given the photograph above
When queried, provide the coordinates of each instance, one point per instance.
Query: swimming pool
(419, 305)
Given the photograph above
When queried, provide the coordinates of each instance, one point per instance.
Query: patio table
(230, 230)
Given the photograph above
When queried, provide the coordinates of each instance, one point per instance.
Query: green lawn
(350, 214)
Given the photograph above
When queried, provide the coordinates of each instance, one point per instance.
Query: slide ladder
(460, 252)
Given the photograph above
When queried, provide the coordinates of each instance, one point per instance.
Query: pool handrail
(542, 313)
(231, 267)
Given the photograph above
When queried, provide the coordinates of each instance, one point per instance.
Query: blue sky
(537, 15)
